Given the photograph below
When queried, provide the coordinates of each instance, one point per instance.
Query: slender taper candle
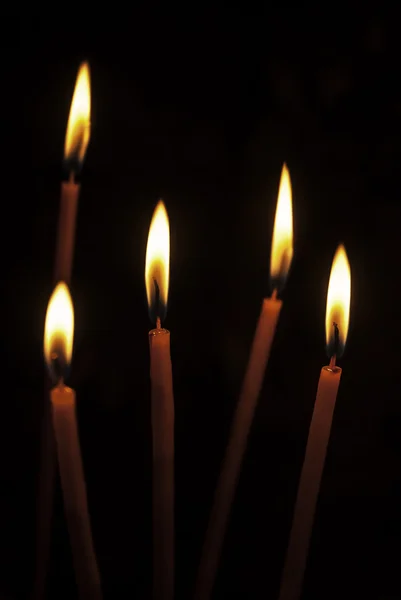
(157, 281)
(281, 257)
(58, 341)
(337, 319)
(76, 142)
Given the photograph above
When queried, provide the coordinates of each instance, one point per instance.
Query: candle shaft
(74, 493)
(240, 428)
(66, 231)
(163, 464)
(62, 272)
(309, 484)
(45, 497)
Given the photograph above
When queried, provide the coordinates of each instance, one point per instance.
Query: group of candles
(58, 344)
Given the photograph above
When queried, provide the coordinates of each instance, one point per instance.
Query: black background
(201, 107)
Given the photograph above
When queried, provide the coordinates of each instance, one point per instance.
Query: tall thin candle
(76, 142)
(280, 263)
(58, 341)
(157, 282)
(337, 319)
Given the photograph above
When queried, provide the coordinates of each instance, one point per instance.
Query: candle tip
(274, 294)
(57, 368)
(332, 366)
(157, 304)
(336, 338)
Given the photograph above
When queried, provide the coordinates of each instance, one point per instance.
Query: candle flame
(157, 263)
(282, 249)
(59, 328)
(78, 128)
(338, 303)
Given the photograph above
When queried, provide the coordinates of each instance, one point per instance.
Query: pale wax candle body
(45, 498)
(240, 428)
(66, 230)
(62, 272)
(163, 464)
(74, 492)
(309, 484)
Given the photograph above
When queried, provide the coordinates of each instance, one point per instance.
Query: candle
(58, 341)
(280, 262)
(337, 319)
(76, 142)
(162, 400)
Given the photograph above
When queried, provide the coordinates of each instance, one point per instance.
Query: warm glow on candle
(337, 319)
(157, 264)
(78, 129)
(282, 249)
(59, 325)
(58, 340)
(338, 303)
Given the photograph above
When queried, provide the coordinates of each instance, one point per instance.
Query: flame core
(157, 264)
(282, 243)
(59, 329)
(78, 128)
(338, 304)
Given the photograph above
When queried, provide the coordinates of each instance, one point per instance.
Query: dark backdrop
(201, 108)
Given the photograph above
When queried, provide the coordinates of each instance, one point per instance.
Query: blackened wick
(336, 339)
(157, 298)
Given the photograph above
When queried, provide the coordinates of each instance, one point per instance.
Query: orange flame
(78, 128)
(338, 302)
(282, 250)
(157, 265)
(59, 325)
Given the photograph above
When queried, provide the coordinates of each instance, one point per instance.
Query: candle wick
(157, 301)
(336, 338)
(72, 177)
(57, 366)
(332, 364)
(274, 294)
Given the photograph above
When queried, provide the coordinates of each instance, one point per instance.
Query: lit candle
(76, 142)
(157, 282)
(58, 341)
(337, 319)
(281, 257)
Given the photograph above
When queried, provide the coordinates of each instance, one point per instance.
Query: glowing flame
(78, 128)
(157, 264)
(282, 250)
(338, 303)
(59, 326)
